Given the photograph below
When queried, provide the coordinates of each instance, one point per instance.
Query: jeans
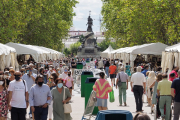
(40, 113)
(176, 110)
(45, 79)
(30, 111)
(18, 113)
(122, 92)
(165, 100)
(107, 71)
(138, 92)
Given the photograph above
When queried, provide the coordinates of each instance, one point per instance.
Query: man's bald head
(17, 73)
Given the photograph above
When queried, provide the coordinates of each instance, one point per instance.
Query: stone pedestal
(89, 47)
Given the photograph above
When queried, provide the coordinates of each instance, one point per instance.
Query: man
(18, 97)
(84, 63)
(145, 70)
(175, 70)
(65, 73)
(39, 99)
(100, 64)
(138, 81)
(176, 95)
(29, 77)
(73, 66)
(112, 72)
(50, 71)
(123, 77)
(164, 91)
(31, 66)
(61, 68)
(25, 64)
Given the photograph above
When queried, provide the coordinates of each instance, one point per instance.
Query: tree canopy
(36, 22)
(133, 22)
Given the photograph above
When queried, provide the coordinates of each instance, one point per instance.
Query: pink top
(102, 88)
(176, 75)
(69, 81)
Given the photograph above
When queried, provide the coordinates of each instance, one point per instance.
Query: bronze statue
(90, 23)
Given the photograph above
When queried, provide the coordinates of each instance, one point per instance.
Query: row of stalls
(11, 51)
(171, 57)
(130, 54)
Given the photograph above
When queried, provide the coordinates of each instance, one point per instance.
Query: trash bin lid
(79, 63)
(87, 73)
(91, 79)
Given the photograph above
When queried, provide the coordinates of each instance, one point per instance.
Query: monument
(89, 47)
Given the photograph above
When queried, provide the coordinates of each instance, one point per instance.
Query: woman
(51, 84)
(107, 64)
(57, 95)
(154, 98)
(11, 75)
(3, 99)
(69, 82)
(58, 72)
(150, 80)
(128, 69)
(102, 88)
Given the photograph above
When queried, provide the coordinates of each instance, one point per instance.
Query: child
(69, 82)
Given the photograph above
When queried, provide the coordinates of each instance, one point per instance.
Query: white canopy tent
(129, 53)
(8, 57)
(107, 52)
(172, 57)
(54, 54)
(36, 53)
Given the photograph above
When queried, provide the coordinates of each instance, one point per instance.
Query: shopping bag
(111, 96)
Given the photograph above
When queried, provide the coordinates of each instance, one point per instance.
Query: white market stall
(107, 52)
(37, 54)
(171, 57)
(129, 54)
(8, 57)
(54, 54)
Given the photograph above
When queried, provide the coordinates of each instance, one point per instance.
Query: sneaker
(163, 117)
(30, 115)
(125, 104)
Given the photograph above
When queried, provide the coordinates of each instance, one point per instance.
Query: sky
(82, 12)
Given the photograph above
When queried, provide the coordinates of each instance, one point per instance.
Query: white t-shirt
(18, 93)
(64, 76)
(138, 79)
(49, 73)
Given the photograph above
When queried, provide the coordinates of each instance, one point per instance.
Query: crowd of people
(43, 85)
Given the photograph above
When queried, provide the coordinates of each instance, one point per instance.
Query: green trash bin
(84, 76)
(79, 65)
(88, 89)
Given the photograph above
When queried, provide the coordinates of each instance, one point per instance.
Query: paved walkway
(78, 104)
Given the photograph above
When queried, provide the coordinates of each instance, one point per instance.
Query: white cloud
(82, 12)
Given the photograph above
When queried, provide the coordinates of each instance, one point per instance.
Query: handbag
(119, 83)
(67, 107)
(111, 96)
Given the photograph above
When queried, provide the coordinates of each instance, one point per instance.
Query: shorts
(101, 102)
(112, 76)
(69, 87)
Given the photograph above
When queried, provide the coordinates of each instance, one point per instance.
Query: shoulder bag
(119, 81)
(67, 107)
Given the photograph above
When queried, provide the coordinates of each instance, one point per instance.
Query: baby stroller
(157, 113)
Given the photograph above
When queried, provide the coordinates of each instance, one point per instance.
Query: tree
(74, 47)
(67, 52)
(133, 22)
(105, 44)
(36, 22)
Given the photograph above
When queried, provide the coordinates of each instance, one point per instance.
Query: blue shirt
(176, 86)
(144, 72)
(29, 80)
(38, 95)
